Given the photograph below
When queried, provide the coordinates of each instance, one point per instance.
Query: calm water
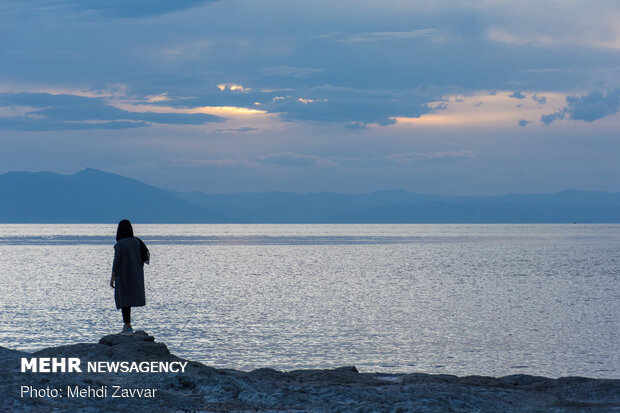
(458, 299)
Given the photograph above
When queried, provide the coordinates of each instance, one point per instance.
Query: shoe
(127, 331)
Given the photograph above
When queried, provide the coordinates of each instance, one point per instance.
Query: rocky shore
(205, 389)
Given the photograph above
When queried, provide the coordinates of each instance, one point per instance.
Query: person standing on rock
(130, 254)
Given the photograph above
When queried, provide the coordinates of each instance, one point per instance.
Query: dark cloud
(68, 112)
(517, 95)
(523, 122)
(354, 108)
(550, 118)
(115, 8)
(595, 105)
(540, 99)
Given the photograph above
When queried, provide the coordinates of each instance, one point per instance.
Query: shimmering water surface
(458, 299)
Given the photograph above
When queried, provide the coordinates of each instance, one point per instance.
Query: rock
(344, 389)
(6, 353)
(350, 369)
(116, 339)
(138, 346)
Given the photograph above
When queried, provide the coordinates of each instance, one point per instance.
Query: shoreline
(207, 389)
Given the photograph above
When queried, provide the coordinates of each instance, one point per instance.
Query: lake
(456, 299)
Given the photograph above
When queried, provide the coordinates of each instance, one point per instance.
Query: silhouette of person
(127, 279)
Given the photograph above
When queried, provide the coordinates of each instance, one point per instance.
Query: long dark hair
(125, 230)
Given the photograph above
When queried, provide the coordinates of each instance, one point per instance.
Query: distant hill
(407, 207)
(91, 196)
(95, 196)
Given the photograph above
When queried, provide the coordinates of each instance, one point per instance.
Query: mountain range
(93, 196)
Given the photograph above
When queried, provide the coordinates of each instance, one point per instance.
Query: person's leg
(127, 316)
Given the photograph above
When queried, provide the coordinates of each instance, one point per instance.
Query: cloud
(355, 125)
(201, 163)
(489, 109)
(517, 95)
(34, 124)
(403, 159)
(232, 87)
(290, 71)
(114, 8)
(523, 122)
(297, 160)
(382, 62)
(385, 36)
(430, 156)
(540, 99)
(602, 36)
(595, 105)
(244, 129)
(307, 101)
(187, 50)
(354, 108)
(552, 117)
(162, 97)
(70, 112)
(289, 159)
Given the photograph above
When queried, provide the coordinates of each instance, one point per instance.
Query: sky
(442, 97)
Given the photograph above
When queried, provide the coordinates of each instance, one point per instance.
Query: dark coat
(129, 270)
